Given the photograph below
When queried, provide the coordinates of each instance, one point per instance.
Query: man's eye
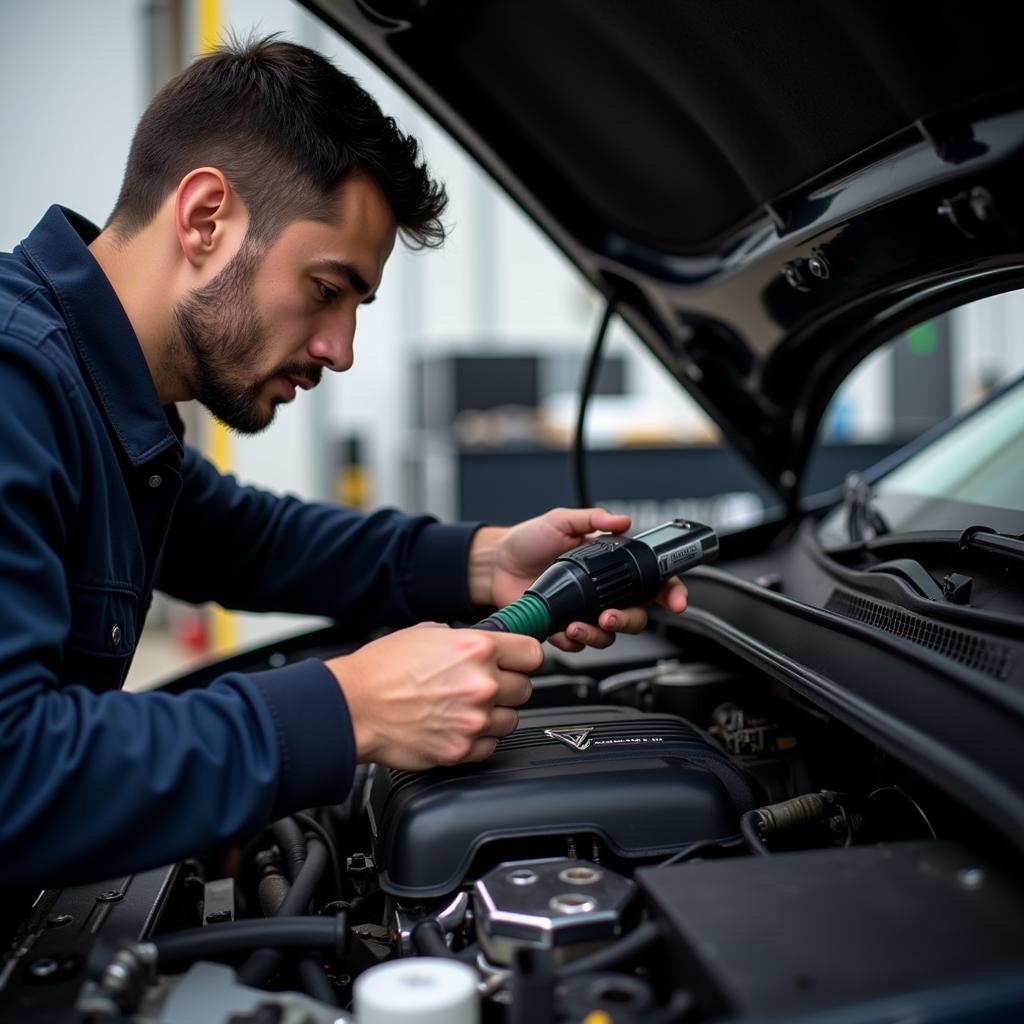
(327, 293)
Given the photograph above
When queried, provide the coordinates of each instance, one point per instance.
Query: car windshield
(980, 461)
(971, 475)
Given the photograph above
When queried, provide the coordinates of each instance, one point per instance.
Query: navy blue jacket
(100, 502)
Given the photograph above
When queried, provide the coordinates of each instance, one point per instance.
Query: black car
(804, 798)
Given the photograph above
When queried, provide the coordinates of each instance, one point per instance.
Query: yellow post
(223, 625)
(209, 19)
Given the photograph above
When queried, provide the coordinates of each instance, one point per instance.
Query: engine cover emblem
(575, 736)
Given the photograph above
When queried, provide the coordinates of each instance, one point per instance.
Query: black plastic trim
(889, 588)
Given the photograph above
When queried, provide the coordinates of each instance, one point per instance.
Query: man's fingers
(563, 643)
(503, 721)
(610, 522)
(482, 748)
(673, 595)
(629, 620)
(581, 521)
(518, 653)
(591, 636)
(513, 689)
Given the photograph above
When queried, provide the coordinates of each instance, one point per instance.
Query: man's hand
(504, 562)
(431, 695)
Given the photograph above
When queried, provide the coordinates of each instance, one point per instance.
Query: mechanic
(262, 197)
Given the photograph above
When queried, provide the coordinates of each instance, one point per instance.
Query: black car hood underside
(692, 157)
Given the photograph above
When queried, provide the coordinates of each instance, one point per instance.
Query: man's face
(269, 325)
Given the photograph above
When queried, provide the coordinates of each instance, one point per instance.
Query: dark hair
(286, 128)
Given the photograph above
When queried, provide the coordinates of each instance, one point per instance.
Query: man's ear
(208, 216)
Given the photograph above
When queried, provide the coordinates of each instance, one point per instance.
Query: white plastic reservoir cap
(418, 990)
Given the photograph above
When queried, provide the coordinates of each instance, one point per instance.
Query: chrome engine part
(565, 907)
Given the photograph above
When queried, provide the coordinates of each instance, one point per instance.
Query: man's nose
(334, 347)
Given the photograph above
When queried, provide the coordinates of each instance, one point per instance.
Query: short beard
(221, 335)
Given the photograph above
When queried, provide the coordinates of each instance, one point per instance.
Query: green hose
(528, 616)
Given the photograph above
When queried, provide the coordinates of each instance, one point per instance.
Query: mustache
(308, 371)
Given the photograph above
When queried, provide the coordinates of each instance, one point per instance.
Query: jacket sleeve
(252, 550)
(93, 785)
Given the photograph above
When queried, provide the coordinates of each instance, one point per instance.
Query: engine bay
(669, 835)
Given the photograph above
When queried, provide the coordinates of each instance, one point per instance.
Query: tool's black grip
(492, 624)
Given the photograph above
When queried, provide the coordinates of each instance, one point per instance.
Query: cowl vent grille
(972, 651)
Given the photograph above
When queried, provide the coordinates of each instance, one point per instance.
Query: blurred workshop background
(463, 397)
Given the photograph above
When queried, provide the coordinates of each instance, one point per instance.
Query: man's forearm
(193, 770)
(483, 557)
(252, 550)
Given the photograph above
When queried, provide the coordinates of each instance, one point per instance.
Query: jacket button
(115, 635)
(155, 481)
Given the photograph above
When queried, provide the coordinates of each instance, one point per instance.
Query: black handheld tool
(612, 571)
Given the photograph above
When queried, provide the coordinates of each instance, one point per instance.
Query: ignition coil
(611, 571)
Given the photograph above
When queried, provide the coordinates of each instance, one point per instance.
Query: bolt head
(818, 266)
(581, 875)
(45, 967)
(572, 903)
(794, 277)
(522, 876)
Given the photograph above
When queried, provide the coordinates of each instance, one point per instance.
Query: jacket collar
(103, 335)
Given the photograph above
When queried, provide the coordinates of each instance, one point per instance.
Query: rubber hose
(310, 824)
(748, 829)
(315, 981)
(292, 844)
(619, 954)
(239, 936)
(262, 964)
(579, 454)
(428, 940)
(528, 616)
(308, 879)
(271, 891)
(532, 988)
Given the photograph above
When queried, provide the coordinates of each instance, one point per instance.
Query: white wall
(73, 81)
(990, 345)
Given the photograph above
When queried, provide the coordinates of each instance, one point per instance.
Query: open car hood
(766, 191)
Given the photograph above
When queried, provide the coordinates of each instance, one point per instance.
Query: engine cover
(646, 784)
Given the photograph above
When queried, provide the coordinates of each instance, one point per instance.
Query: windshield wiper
(863, 520)
(984, 538)
(914, 574)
